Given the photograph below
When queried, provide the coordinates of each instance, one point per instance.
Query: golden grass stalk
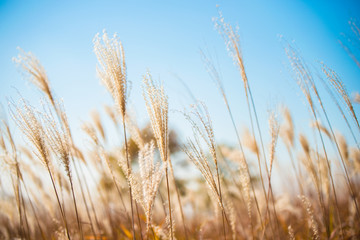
(287, 135)
(91, 202)
(112, 68)
(60, 143)
(355, 38)
(31, 125)
(27, 170)
(274, 128)
(246, 186)
(104, 197)
(232, 41)
(19, 172)
(104, 156)
(112, 72)
(306, 82)
(232, 209)
(37, 75)
(346, 98)
(130, 177)
(179, 200)
(28, 230)
(310, 213)
(36, 72)
(274, 133)
(147, 182)
(157, 107)
(73, 152)
(11, 160)
(340, 109)
(291, 233)
(34, 212)
(97, 122)
(78, 155)
(312, 169)
(202, 127)
(150, 86)
(339, 86)
(315, 174)
(196, 154)
(333, 136)
(217, 79)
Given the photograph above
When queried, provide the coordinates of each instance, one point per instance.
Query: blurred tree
(148, 136)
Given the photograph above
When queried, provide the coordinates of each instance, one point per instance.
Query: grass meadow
(53, 187)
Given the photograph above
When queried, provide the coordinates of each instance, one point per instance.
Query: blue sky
(165, 37)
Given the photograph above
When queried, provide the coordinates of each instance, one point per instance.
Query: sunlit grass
(64, 190)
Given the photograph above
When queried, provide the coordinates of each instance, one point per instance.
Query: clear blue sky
(165, 37)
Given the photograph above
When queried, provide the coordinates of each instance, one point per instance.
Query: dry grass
(62, 190)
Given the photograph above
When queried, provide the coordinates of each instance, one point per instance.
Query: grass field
(55, 188)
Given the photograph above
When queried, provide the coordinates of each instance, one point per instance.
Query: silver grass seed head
(339, 86)
(157, 107)
(250, 142)
(150, 177)
(197, 155)
(30, 122)
(111, 68)
(58, 139)
(310, 212)
(35, 72)
(304, 144)
(303, 76)
(97, 123)
(232, 42)
(274, 133)
(201, 123)
(291, 233)
(287, 128)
